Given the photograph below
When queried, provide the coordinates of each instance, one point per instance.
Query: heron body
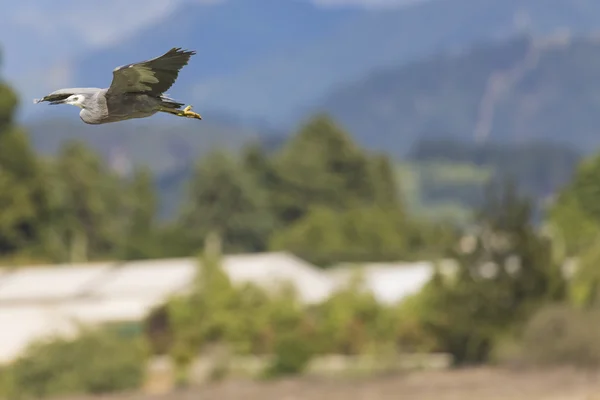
(136, 91)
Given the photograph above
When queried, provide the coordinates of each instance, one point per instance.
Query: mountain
(513, 91)
(274, 59)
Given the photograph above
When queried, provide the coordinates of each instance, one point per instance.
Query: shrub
(96, 362)
(562, 335)
(5, 389)
(411, 334)
(292, 355)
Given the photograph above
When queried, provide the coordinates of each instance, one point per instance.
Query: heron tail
(170, 103)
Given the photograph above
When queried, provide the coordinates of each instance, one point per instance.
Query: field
(471, 384)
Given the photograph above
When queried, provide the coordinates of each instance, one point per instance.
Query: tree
(8, 105)
(258, 164)
(141, 231)
(88, 205)
(320, 166)
(386, 188)
(506, 271)
(224, 198)
(336, 202)
(23, 190)
(585, 188)
(326, 236)
(574, 224)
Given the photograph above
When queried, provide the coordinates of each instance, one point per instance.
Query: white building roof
(94, 311)
(389, 282)
(272, 269)
(390, 285)
(22, 325)
(157, 278)
(49, 283)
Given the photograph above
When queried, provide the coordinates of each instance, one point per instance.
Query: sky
(39, 38)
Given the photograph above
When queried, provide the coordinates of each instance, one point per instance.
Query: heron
(137, 91)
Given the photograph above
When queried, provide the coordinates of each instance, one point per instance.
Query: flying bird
(136, 91)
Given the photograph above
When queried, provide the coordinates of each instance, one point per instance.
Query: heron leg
(186, 112)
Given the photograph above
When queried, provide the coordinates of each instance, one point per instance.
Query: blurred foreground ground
(481, 383)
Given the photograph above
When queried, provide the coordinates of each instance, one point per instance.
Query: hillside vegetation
(514, 91)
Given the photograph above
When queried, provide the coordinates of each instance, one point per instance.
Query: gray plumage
(137, 91)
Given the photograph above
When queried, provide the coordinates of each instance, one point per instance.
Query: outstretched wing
(62, 94)
(153, 77)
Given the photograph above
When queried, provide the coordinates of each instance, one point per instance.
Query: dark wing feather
(153, 77)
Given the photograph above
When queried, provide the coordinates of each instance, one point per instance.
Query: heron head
(75, 100)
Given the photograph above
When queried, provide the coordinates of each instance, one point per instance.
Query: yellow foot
(186, 112)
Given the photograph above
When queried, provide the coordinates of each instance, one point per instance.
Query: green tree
(88, 206)
(23, 188)
(141, 239)
(326, 236)
(320, 166)
(506, 271)
(386, 190)
(574, 225)
(8, 105)
(585, 188)
(225, 198)
(336, 202)
(256, 161)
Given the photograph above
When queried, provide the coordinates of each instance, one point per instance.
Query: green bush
(411, 334)
(351, 322)
(252, 321)
(292, 355)
(5, 388)
(562, 335)
(99, 361)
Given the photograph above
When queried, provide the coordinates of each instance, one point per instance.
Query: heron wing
(152, 77)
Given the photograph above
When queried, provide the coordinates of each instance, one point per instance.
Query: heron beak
(57, 102)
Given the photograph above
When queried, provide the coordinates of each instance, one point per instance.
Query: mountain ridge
(473, 96)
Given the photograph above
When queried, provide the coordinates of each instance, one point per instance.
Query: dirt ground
(471, 384)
